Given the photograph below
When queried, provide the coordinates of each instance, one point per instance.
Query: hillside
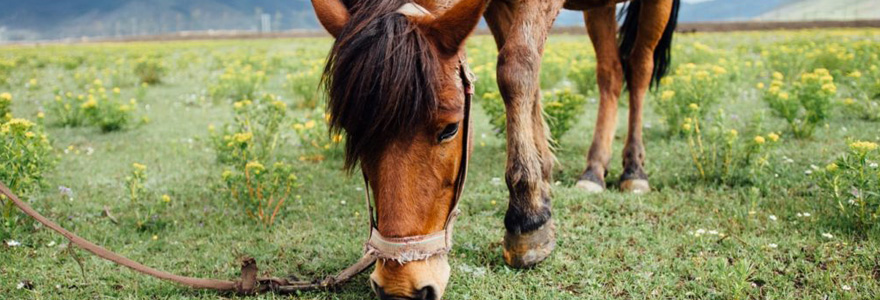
(54, 19)
(825, 10)
(51, 19)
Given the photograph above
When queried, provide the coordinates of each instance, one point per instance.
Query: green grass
(611, 245)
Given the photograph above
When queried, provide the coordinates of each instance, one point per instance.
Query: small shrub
(486, 79)
(257, 125)
(312, 130)
(806, 104)
(67, 109)
(690, 85)
(554, 68)
(304, 86)
(149, 70)
(255, 176)
(864, 91)
(561, 109)
(853, 183)
(583, 75)
(147, 209)
(493, 105)
(720, 155)
(237, 83)
(109, 113)
(5, 107)
(25, 157)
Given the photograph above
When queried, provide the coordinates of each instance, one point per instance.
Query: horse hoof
(589, 186)
(528, 249)
(635, 186)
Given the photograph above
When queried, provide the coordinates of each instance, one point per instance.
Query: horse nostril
(426, 293)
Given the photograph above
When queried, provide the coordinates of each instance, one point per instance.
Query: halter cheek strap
(416, 248)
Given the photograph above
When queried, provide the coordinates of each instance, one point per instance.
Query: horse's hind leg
(602, 28)
(653, 19)
(520, 29)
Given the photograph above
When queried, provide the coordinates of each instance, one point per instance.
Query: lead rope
(248, 284)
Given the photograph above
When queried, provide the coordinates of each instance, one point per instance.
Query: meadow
(762, 153)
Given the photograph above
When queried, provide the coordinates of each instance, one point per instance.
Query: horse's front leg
(520, 29)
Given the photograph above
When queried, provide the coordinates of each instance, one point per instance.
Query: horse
(397, 85)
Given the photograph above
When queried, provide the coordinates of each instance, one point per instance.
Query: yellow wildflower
(310, 124)
(40, 115)
(667, 95)
(719, 70)
(773, 137)
(298, 126)
(90, 104)
(759, 140)
(279, 104)
(166, 198)
(255, 166)
(686, 127)
(17, 125)
(243, 137)
(760, 85)
(849, 101)
(855, 74)
(226, 174)
(831, 167)
(694, 106)
(6, 96)
(98, 82)
(863, 146)
(116, 90)
(701, 75)
(829, 88)
(783, 95)
(778, 76)
(337, 138)
(139, 167)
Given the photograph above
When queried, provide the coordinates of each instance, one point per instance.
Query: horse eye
(448, 132)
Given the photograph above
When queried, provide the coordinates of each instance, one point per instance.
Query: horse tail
(627, 40)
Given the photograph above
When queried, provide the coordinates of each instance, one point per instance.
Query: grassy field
(776, 236)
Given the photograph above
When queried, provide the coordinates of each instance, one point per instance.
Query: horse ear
(332, 14)
(451, 29)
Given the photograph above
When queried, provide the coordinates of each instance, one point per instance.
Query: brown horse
(396, 91)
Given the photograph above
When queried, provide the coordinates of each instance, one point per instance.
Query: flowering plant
(805, 105)
(853, 183)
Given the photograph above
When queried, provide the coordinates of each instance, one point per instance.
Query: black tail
(627, 40)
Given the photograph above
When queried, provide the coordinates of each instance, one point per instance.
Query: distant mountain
(53, 19)
(56, 19)
(728, 10)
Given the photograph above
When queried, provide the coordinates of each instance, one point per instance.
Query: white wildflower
(772, 245)
(846, 287)
(13, 243)
(827, 235)
(772, 217)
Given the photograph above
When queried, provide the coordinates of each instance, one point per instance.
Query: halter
(421, 247)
